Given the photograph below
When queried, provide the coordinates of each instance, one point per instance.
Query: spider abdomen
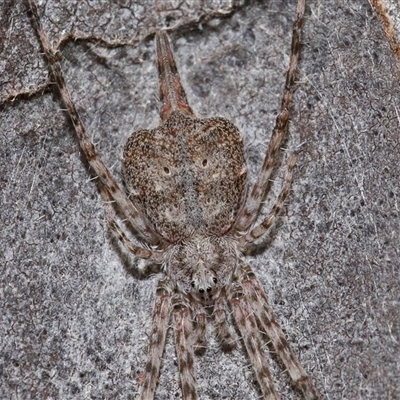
(188, 175)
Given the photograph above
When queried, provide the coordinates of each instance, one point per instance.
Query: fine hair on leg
(159, 328)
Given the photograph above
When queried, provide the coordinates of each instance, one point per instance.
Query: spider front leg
(183, 330)
(247, 325)
(200, 343)
(266, 318)
(159, 328)
(224, 336)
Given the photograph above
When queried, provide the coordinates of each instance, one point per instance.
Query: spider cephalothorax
(202, 265)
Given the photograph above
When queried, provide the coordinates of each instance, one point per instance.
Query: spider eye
(193, 285)
(205, 161)
(208, 289)
(201, 290)
(166, 170)
(215, 280)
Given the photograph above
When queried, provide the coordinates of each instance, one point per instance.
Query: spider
(187, 199)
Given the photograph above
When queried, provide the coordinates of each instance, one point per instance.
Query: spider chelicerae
(187, 199)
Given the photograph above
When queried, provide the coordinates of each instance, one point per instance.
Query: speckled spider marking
(188, 200)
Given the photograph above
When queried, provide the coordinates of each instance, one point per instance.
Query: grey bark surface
(74, 321)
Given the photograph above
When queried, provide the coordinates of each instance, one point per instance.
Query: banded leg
(137, 251)
(260, 229)
(200, 343)
(226, 340)
(138, 221)
(264, 314)
(248, 213)
(159, 328)
(248, 328)
(183, 330)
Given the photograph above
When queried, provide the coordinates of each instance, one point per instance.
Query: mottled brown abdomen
(188, 175)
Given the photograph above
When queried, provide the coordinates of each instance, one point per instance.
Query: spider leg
(227, 341)
(159, 328)
(200, 345)
(248, 213)
(264, 314)
(260, 229)
(247, 326)
(183, 329)
(137, 251)
(136, 218)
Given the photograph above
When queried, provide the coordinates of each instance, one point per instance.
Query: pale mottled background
(74, 322)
